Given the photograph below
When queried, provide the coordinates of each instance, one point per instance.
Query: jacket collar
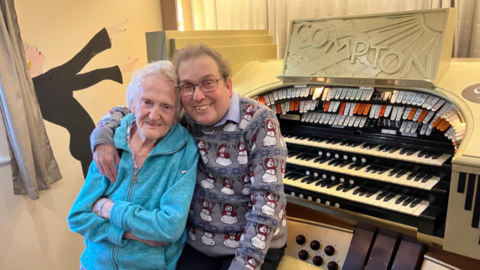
(170, 143)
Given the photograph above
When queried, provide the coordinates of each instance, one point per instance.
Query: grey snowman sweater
(238, 206)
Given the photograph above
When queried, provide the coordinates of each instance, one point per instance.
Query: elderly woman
(138, 222)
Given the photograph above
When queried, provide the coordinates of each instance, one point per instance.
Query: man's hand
(106, 157)
(129, 235)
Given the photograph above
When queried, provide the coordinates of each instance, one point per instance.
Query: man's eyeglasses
(207, 86)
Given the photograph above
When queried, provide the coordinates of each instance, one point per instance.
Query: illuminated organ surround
(380, 123)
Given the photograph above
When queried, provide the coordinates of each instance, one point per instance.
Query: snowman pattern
(251, 263)
(192, 210)
(230, 127)
(270, 204)
(231, 240)
(254, 201)
(191, 233)
(227, 186)
(209, 182)
(249, 207)
(259, 239)
(229, 215)
(282, 216)
(248, 116)
(270, 175)
(203, 150)
(246, 184)
(207, 238)
(270, 139)
(223, 158)
(242, 153)
(253, 142)
(205, 214)
(252, 173)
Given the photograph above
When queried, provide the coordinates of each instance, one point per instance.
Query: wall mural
(55, 87)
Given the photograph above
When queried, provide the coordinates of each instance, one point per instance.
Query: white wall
(34, 234)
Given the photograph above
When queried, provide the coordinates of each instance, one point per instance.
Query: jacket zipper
(134, 180)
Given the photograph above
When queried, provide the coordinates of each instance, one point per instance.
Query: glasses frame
(199, 86)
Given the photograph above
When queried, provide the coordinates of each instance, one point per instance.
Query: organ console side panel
(378, 128)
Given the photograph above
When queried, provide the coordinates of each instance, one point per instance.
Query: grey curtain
(33, 166)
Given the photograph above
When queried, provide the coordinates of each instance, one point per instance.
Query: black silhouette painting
(54, 89)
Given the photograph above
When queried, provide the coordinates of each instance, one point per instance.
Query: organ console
(381, 127)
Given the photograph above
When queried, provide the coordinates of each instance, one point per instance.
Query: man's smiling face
(205, 108)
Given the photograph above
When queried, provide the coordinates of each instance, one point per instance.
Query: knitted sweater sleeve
(103, 133)
(267, 155)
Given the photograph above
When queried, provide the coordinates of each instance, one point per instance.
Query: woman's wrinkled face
(155, 108)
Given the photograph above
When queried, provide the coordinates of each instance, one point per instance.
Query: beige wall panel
(34, 234)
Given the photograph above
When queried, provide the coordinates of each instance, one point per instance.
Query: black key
(320, 182)
(403, 151)
(407, 201)
(426, 178)
(331, 162)
(324, 183)
(338, 162)
(400, 174)
(357, 191)
(461, 182)
(348, 188)
(389, 197)
(340, 187)
(412, 175)
(371, 146)
(321, 139)
(411, 152)
(323, 160)
(331, 184)
(360, 166)
(365, 146)
(387, 149)
(415, 202)
(369, 168)
(392, 173)
(381, 195)
(401, 199)
(422, 153)
(418, 177)
(382, 170)
(370, 193)
(381, 147)
(344, 163)
(308, 158)
(393, 150)
(329, 141)
(317, 159)
(436, 155)
(336, 141)
(290, 154)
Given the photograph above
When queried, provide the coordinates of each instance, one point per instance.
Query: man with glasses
(237, 214)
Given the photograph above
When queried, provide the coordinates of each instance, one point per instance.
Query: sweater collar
(173, 141)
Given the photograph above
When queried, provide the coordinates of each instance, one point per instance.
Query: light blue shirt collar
(233, 113)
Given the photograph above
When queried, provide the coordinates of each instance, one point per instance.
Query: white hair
(161, 69)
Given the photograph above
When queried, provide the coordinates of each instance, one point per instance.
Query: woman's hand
(102, 208)
(129, 235)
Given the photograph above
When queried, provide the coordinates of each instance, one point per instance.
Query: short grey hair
(161, 69)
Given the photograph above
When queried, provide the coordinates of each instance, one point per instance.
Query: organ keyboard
(379, 123)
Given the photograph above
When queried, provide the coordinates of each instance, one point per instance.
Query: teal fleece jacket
(153, 205)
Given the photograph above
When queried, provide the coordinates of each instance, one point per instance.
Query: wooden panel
(409, 256)
(382, 253)
(360, 246)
